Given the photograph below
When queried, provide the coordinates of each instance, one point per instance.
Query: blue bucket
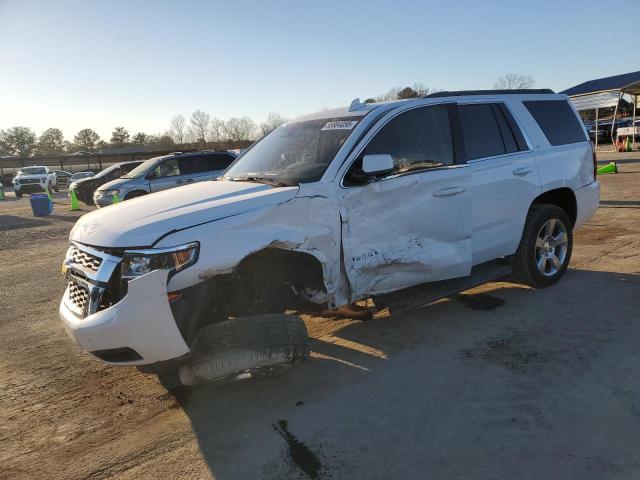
(41, 205)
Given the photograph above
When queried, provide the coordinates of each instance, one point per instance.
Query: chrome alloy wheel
(551, 247)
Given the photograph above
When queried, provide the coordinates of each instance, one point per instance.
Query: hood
(89, 182)
(141, 221)
(113, 184)
(31, 177)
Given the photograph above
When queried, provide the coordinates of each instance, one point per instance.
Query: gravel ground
(499, 382)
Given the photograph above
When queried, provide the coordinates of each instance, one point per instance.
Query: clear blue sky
(77, 64)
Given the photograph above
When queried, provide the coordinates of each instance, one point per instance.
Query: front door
(165, 175)
(412, 225)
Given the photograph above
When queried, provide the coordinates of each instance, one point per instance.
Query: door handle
(179, 182)
(189, 180)
(522, 171)
(447, 192)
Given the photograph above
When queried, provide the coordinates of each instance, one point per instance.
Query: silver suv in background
(162, 173)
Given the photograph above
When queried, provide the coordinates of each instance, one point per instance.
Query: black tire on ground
(18, 194)
(525, 261)
(245, 343)
(134, 194)
(56, 187)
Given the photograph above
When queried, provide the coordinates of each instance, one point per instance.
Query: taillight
(595, 162)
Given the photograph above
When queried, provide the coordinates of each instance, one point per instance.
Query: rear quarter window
(557, 120)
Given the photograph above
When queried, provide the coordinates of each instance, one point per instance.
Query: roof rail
(516, 91)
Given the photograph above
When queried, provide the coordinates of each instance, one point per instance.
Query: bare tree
(236, 129)
(141, 138)
(200, 123)
(514, 81)
(177, 129)
(216, 129)
(273, 121)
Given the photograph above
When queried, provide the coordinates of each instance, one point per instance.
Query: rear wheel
(56, 187)
(545, 248)
(18, 193)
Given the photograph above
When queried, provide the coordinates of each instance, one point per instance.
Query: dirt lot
(500, 382)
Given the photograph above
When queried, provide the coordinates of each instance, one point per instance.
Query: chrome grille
(27, 181)
(85, 260)
(78, 295)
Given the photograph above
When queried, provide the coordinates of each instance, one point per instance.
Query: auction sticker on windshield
(340, 125)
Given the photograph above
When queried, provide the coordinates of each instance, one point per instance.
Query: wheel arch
(135, 193)
(562, 197)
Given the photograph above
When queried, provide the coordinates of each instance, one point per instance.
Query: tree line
(202, 128)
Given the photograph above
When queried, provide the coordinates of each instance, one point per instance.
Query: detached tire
(245, 343)
(545, 248)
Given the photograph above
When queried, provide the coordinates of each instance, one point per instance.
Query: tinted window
(419, 138)
(557, 120)
(219, 161)
(127, 167)
(480, 130)
(192, 165)
(167, 168)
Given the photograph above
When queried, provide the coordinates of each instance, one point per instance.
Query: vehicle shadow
(13, 222)
(388, 394)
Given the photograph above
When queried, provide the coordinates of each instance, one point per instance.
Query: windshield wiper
(267, 181)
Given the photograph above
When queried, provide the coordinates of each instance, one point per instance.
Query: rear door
(412, 225)
(504, 178)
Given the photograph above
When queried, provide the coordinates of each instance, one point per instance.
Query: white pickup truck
(34, 179)
(331, 208)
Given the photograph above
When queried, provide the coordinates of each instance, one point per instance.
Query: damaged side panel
(308, 223)
(407, 230)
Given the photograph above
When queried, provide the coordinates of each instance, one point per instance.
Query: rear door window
(192, 165)
(218, 161)
(481, 132)
(557, 120)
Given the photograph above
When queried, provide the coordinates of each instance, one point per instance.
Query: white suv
(332, 208)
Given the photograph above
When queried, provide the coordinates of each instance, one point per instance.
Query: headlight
(107, 193)
(139, 262)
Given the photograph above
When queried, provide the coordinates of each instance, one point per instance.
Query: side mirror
(152, 175)
(377, 164)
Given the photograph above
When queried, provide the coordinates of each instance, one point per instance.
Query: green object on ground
(611, 167)
(116, 199)
(627, 145)
(1, 193)
(74, 201)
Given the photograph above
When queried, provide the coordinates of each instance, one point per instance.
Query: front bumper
(141, 321)
(102, 201)
(29, 188)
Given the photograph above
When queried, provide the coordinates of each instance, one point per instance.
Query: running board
(419, 296)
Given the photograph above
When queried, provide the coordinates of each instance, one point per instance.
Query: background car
(63, 177)
(85, 187)
(80, 175)
(6, 179)
(162, 173)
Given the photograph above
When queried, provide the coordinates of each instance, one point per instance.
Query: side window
(557, 120)
(167, 168)
(127, 167)
(192, 164)
(219, 161)
(481, 131)
(417, 139)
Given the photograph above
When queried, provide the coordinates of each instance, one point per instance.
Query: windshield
(294, 152)
(77, 176)
(32, 171)
(141, 169)
(107, 172)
